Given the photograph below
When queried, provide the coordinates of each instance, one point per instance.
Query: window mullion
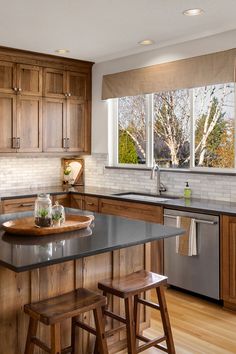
(149, 130)
(192, 129)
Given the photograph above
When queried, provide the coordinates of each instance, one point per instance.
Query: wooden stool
(53, 311)
(130, 288)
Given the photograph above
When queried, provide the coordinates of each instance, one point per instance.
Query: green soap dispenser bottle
(187, 191)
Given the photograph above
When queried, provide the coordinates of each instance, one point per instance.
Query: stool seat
(132, 284)
(64, 306)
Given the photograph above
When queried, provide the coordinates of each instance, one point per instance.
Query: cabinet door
(228, 261)
(7, 77)
(54, 125)
(54, 83)
(29, 79)
(62, 199)
(76, 126)
(91, 203)
(76, 85)
(7, 122)
(18, 205)
(29, 124)
(77, 201)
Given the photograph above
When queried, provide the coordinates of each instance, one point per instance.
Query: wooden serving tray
(26, 226)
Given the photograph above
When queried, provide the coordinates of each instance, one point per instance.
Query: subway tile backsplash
(205, 186)
(16, 172)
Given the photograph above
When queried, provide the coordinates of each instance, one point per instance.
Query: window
(189, 128)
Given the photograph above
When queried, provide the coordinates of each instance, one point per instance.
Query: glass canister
(58, 214)
(43, 210)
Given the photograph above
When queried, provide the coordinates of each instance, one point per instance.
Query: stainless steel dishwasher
(200, 273)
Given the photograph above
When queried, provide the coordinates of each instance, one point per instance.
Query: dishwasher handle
(200, 221)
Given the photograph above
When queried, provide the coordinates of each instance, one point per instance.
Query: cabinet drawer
(91, 203)
(17, 205)
(132, 210)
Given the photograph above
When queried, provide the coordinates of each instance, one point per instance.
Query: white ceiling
(100, 30)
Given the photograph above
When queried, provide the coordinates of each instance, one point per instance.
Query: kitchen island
(36, 268)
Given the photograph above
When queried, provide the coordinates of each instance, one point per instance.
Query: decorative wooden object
(130, 288)
(77, 166)
(26, 226)
(53, 311)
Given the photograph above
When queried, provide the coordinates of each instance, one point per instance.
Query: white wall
(223, 41)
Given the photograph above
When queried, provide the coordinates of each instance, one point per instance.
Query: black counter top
(107, 233)
(206, 206)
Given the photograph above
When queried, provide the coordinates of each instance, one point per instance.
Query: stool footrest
(150, 343)
(114, 316)
(149, 303)
(85, 326)
(40, 344)
(110, 332)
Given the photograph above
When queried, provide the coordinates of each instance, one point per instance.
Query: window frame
(113, 138)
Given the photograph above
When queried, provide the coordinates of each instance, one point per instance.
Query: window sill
(173, 170)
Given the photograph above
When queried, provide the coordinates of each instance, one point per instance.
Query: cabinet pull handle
(64, 143)
(200, 221)
(25, 205)
(68, 143)
(14, 143)
(89, 203)
(18, 143)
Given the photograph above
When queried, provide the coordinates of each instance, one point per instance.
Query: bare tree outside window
(132, 130)
(172, 128)
(214, 114)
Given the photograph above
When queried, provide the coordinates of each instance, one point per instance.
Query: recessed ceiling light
(62, 51)
(146, 42)
(193, 12)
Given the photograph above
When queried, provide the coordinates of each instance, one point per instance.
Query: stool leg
(130, 326)
(101, 343)
(33, 325)
(56, 338)
(73, 336)
(136, 316)
(165, 320)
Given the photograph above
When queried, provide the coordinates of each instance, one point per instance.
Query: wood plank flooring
(199, 326)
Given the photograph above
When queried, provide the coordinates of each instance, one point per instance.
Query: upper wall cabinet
(29, 80)
(65, 84)
(45, 103)
(7, 77)
(54, 83)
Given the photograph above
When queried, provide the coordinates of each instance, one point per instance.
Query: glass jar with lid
(43, 210)
(58, 214)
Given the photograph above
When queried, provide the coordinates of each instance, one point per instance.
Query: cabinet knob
(19, 89)
(69, 94)
(15, 89)
(66, 94)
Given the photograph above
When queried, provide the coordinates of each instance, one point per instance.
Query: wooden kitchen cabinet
(143, 212)
(29, 131)
(7, 122)
(18, 205)
(91, 203)
(62, 199)
(7, 77)
(228, 261)
(54, 83)
(54, 123)
(77, 201)
(29, 80)
(63, 125)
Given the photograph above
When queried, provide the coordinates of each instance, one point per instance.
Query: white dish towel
(192, 244)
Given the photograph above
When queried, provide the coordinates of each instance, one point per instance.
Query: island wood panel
(228, 261)
(139, 211)
(14, 293)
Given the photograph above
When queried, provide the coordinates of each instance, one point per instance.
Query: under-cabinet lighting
(193, 12)
(146, 42)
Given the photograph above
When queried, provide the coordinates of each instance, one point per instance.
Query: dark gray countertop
(107, 233)
(195, 205)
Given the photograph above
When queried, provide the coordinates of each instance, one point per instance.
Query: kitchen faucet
(160, 186)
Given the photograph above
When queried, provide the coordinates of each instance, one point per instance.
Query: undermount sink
(146, 197)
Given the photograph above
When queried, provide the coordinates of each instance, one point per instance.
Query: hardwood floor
(199, 326)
